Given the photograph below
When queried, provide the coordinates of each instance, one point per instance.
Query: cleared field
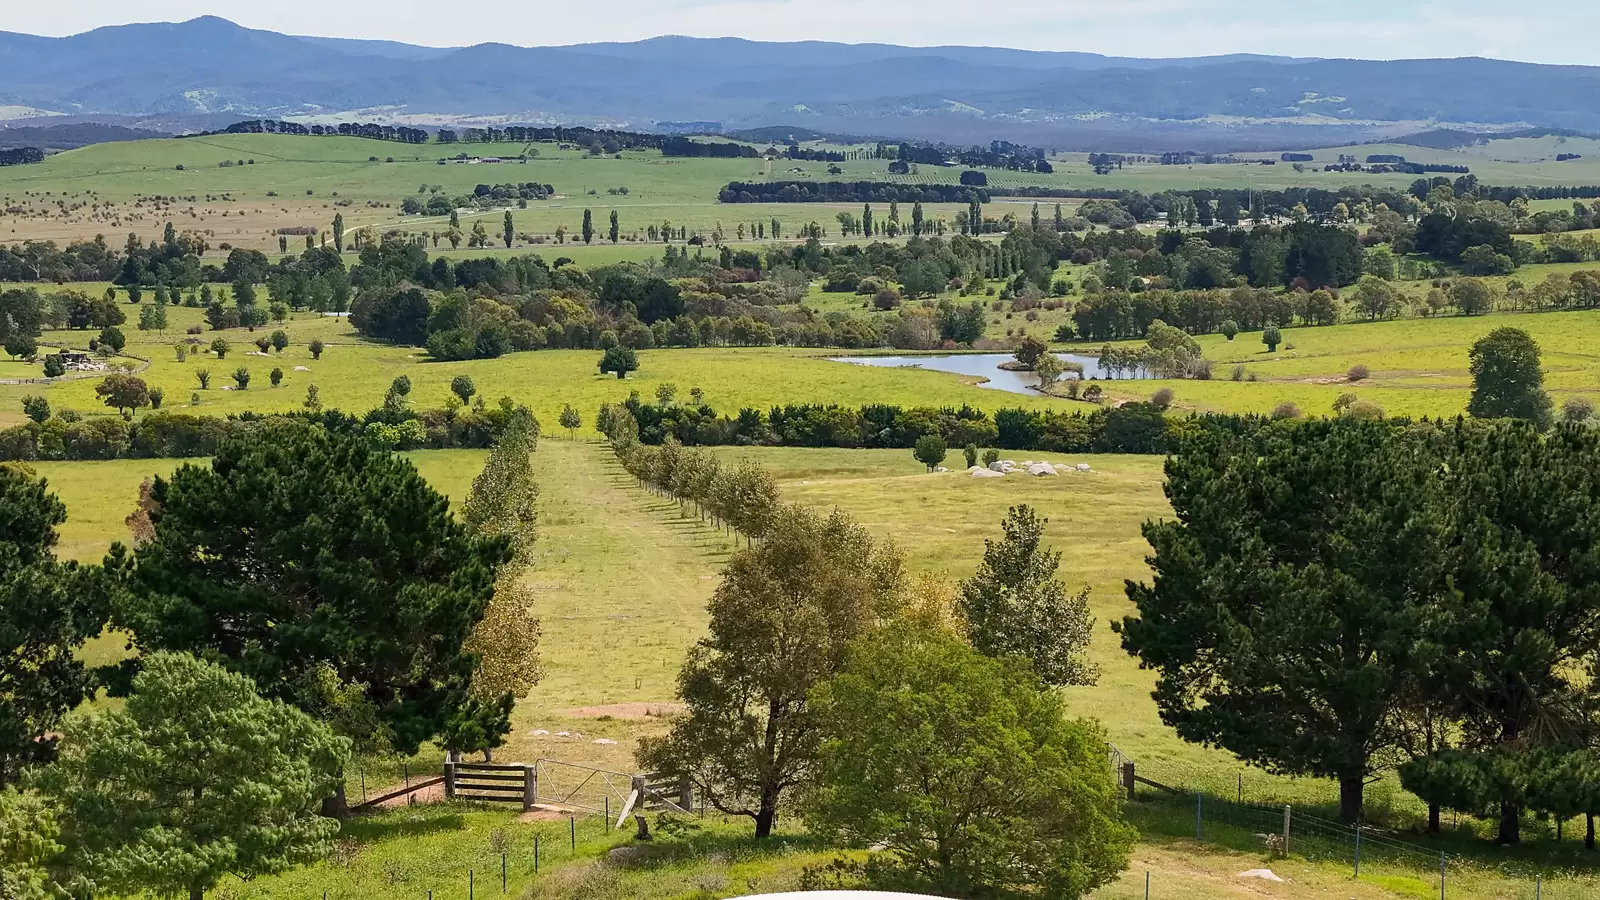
(623, 577)
(240, 188)
(1418, 366)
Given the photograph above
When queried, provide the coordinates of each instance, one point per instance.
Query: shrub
(1286, 410)
(1093, 393)
(1229, 328)
(156, 396)
(1577, 409)
(204, 377)
(1272, 337)
(1237, 373)
(219, 346)
(316, 348)
(930, 450)
(275, 376)
(990, 457)
(241, 377)
(1358, 372)
(1162, 399)
(971, 453)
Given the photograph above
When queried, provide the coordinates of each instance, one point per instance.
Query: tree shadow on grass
(688, 842)
(404, 822)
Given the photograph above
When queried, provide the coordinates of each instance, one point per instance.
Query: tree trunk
(765, 817)
(1351, 785)
(196, 892)
(1433, 819)
(1510, 826)
(1588, 839)
(337, 807)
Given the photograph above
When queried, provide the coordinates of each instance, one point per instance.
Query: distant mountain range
(208, 71)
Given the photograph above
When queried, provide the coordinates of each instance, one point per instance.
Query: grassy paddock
(622, 579)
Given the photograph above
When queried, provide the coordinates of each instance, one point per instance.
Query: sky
(1556, 31)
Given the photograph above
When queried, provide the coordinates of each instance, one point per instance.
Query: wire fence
(1389, 857)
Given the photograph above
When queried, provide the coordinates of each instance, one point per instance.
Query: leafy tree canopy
(965, 771)
(296, 547)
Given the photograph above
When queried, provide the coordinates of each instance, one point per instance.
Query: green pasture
(623, 577)
(304, 181)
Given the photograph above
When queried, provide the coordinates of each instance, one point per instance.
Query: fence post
(608, 812)
(449, 778)
(1441, 876)
(502, 873)
(536, 854)
(572, 826)
(1240, 798)
(1146, 884)
(530, 788)
(1198, 816)
(1286, 820)
(1358, 850)
(1127, 779)
(1538, 887)
(472, 885)
(685, 792)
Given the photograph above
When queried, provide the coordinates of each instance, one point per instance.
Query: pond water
(982, 365)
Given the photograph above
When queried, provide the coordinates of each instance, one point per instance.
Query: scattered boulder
(940, 469)
(1082, 467)
(539, 732)
(1263, 874)
(604, 741)
(302, 368)
(978, 472)
(1043, 468)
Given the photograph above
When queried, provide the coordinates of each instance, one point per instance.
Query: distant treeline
(1130, 428)
(682, 146)
(20, 156)
(368, 130)
(164, 435)
(849, 192)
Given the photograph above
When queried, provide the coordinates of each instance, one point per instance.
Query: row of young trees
(300, 598)
(906, 715)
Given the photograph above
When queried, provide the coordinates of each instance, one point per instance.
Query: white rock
(940, 469)
(539, 731)
(986, 473)
(604, 741)
(1082, 467)
(1041, 469)
(301, 369)
(997, 466)
(1263, 874)
(563, 734)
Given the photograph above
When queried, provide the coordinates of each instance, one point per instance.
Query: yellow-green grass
(622, 578)
(354, 373)
(1418, 367)
(304, 181)
(1516, 162)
